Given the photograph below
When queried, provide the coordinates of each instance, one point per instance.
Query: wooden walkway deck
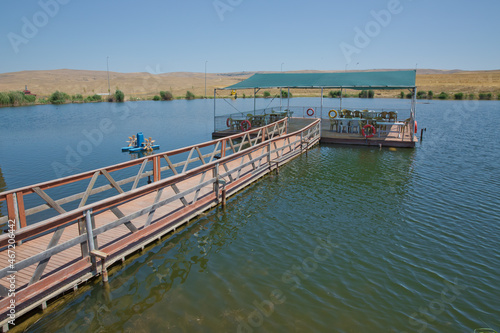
(54, 255)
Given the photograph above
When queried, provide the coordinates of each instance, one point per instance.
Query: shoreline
(251, 97)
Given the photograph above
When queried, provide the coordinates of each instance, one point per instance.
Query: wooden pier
(84, 235)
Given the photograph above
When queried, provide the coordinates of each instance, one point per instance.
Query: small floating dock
(356, 126)
(64, 232)
(390, 137)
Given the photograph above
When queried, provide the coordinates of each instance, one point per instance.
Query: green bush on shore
(190, 95)
(77, 98)
(421, 95)
(366, 94)
(4, 99)
(485, 96)
(443, 95)
(59, 97)
(459, 96)
(156, 98)
(334, 94)
(16, 98)
(267, 94)
(430, 94)
(119, 96)
(166, 96)
(93, 98)
(30, 98)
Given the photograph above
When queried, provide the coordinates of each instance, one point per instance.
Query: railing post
(82, 230)
(11, 209)
(223, 196)
(269, 154)
(223, 151)
(90, 235)
(215, 174)
(156, 168)
(14, 206)
(301, 142)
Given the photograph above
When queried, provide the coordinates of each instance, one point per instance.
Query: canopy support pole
(215, 98)
(340, 109)
(413, 118)
(254, 94)
(288, 105)
(321, 113)
(281, 99)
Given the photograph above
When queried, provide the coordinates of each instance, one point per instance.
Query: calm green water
(348, 239)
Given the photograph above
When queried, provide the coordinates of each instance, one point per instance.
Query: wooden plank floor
(104, 240)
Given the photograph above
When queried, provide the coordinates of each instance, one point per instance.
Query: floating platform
(140, 144)
(391, 138)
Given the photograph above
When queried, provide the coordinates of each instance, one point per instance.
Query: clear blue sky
(248, 35)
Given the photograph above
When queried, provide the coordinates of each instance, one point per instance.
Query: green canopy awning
(356, 80)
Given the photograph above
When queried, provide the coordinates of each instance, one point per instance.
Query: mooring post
(223, 196)
(101, 255)
(215, 174)
(422, 133)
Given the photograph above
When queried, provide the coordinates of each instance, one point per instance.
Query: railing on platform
(260, 117)
(157, 166)
(122, 223)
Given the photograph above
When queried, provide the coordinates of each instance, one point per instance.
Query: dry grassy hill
(145, 85)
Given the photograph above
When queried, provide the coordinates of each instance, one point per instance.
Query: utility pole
(107, 67)
(206, 79)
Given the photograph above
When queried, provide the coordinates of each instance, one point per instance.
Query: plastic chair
(334, 122)
(354, 125)
(346, 113)
(406, 125)
(343, 124)
(378, 127)
(357, 114)
(393, 116)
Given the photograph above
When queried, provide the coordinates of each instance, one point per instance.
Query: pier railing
(57, 253)
(268, 115)
(33, 203)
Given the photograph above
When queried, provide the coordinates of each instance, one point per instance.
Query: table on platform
(389, 123)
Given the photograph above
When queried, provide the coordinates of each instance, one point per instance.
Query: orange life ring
(312, 112)
(415, 127)
(229, 121)
(368, 126)
(242, 126)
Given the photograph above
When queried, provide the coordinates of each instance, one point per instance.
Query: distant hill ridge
(143, 84)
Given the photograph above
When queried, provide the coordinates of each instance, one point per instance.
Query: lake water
(348, 239)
